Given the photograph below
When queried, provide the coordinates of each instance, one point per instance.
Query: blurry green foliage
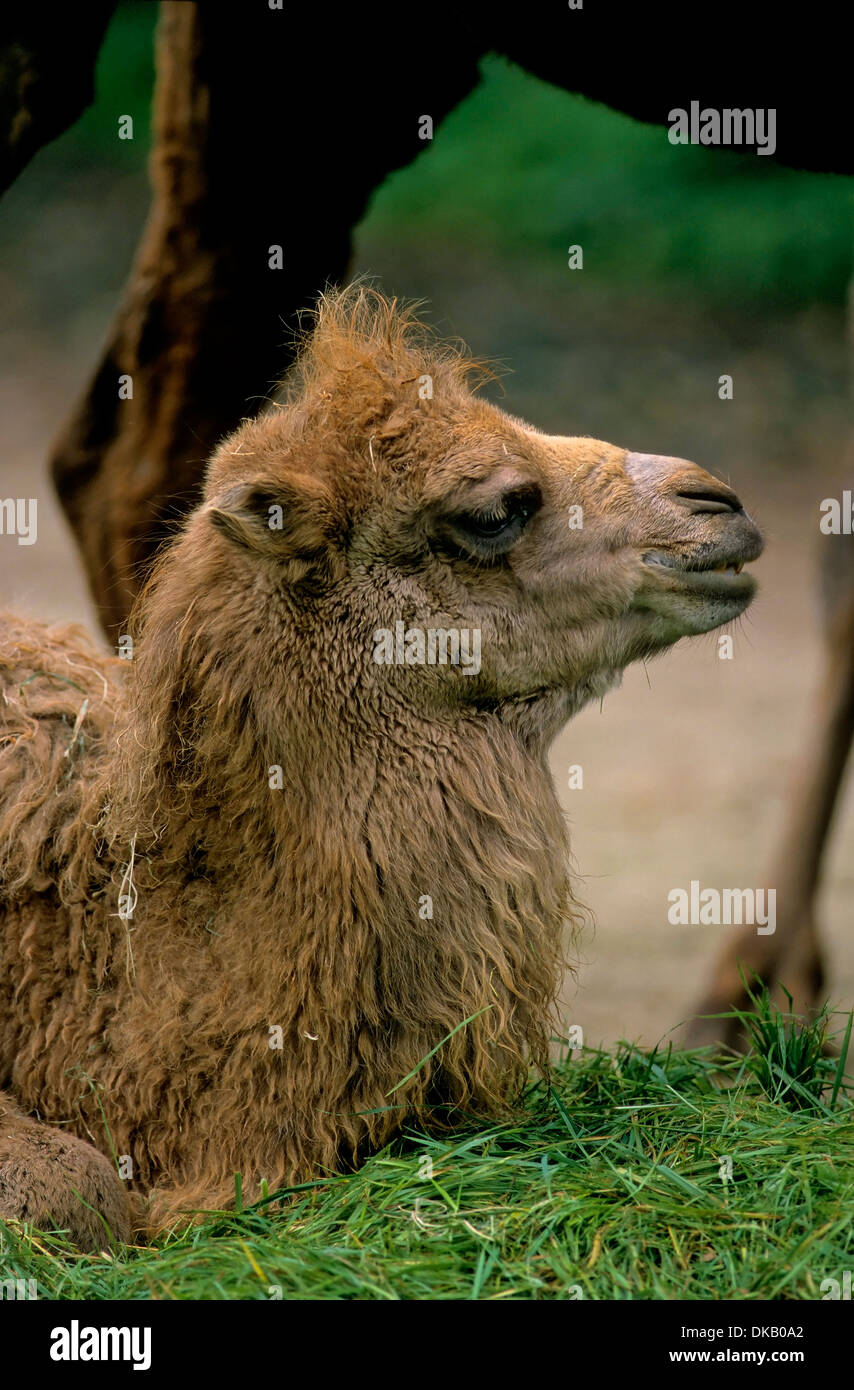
(124, 81)
(524, 169)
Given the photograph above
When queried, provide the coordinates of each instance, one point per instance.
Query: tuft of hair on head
(358, 332)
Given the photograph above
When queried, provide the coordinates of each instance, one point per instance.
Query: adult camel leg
(56, 1180)
(253, 203)
(792, 955)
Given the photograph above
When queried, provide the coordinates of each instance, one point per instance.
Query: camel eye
(495, 529)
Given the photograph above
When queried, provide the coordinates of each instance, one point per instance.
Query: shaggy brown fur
(295, 914)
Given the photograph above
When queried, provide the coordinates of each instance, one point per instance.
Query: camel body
(264, 898)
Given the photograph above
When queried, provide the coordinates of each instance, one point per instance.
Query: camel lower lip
(726, 576)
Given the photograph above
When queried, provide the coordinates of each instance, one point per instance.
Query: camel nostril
(705, 499)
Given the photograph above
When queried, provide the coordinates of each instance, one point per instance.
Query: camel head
(383, 501)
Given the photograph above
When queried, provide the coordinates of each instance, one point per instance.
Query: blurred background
(696, 263)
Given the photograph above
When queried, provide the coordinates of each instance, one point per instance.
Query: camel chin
(697, 599)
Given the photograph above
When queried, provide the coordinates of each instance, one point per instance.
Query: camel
(199, 327)
(281, 884)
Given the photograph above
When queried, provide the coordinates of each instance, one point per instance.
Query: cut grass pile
(658, 1175)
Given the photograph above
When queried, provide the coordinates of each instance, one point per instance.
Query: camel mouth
(673, 562)
(712, 574)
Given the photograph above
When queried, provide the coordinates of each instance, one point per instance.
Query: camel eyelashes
(489, 525)
(499, 527)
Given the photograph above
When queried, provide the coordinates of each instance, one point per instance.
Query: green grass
(611, 1185)
(793, 1063)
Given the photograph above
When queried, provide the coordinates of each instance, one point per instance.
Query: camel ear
(281, 520)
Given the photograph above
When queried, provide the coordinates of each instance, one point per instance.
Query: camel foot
(59, 1182)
